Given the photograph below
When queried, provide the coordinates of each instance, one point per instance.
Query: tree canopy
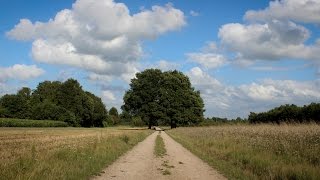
(288, 113)
(113, 112)
(55, 100)
(163, 98)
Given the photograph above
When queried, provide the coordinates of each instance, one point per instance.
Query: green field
(8, 122)
(256, 151)
(62, 153)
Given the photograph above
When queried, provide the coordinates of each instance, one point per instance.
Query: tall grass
(256, 151)
(68, 153)
(7, 122)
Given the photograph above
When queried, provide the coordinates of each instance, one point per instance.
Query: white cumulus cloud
(202, 79)
(208, 60)
(271, 41)
(20, 72)
(108, 95)
(208, 57)
(307, 11)
(98, 36)
(166, 65)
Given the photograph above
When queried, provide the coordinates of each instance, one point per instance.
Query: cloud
(208, 60)
(112, 98)
(306, 11)
(194, 13)
(7, 89)
(20, 72)
(203, 81)
(108, 95)
(208, 57)
(274, 40)
(270, 68)
(166, 65)
(99, 78)
(98, 36)
(272, 34)
(231, 101)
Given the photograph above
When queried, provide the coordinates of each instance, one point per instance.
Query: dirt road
(141, 163)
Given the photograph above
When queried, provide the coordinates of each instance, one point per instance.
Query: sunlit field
(256, 151)
(62, 153)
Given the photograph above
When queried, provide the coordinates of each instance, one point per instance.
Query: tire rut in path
(141, 164)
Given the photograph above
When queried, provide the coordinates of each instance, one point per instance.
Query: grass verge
(62, 153)
(8, 122)
(256, 151)
(159, 149)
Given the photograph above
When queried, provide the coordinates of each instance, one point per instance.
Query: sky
(243, 56)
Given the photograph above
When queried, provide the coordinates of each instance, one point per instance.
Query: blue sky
(242, 55)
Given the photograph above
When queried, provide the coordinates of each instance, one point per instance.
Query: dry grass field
(62, 153)
(256, 151)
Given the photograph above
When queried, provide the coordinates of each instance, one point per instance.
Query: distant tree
(56, 101)
(125, 117)
(46, 110)
(163, 97)
(70, 96)
(114, 115)
(47, 90)
(137, 121)
(17, 106)
(24, 95)
(25, 92)
(288, 113)
(113, 112)
(100, 113)
(11, 105)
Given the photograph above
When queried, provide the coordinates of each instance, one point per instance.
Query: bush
(48, 110)
(137, 121)
(69, 118)
(5, 122)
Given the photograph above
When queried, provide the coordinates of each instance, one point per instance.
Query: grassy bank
(256, 151)
(62, 153)
(8, 122)
(159, 149)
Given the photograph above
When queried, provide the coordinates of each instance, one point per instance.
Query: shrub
(137, 121)
(4, 122)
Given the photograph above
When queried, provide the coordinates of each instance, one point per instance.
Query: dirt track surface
(141, 164)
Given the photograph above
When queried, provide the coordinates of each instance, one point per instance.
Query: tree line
(289, 114)
(213, 121)
(154, 98)
(54, 100)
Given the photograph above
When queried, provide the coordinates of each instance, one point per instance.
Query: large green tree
(163, 98)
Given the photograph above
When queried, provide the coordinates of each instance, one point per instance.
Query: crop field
(256, 151)
(9, 122)
(62, 153)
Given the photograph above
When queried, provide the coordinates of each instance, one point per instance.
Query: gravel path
(141, 164)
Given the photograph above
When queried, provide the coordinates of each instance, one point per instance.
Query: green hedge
(6, 122)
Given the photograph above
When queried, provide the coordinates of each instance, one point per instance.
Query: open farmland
(62, 153)
(256, 151)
